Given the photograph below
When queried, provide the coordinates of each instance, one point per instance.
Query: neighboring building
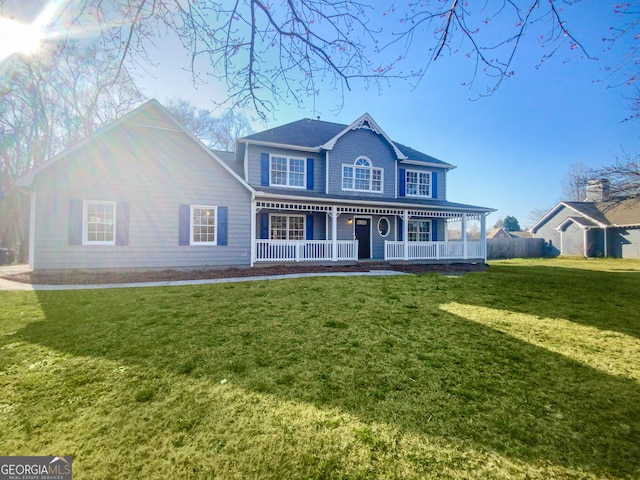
(144, 193)
(498, 232)
(520, 234)
(599, 226)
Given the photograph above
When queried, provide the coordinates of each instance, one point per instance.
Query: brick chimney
(598, 190)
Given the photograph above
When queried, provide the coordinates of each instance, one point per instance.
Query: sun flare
(17, 37)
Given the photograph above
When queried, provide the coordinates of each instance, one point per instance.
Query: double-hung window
(418, 183)
(419, 230)
(99, 223)
(288, 172)
(286, 227)
(362, 176)
(203, 225)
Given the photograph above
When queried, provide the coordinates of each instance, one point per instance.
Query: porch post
(253, 230)
(405, 234)
(334, 233)
(483, 235)
(464, 236)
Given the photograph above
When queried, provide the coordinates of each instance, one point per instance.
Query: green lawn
(527, 370)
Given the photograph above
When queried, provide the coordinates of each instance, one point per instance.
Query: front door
(363, 235)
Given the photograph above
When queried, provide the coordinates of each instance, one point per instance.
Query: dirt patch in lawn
(74, 277)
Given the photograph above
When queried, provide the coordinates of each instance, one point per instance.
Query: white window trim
(406, 183)
(389, 225)
(191, 225)
(85, 230)
(430, 222)
(288, 158)
(371, 169)
(288, 216)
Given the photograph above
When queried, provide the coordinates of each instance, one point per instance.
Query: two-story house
(143, 192)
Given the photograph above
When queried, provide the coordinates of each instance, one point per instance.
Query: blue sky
(512, 149)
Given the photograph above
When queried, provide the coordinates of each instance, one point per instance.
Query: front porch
(347, 250)
(345, 233)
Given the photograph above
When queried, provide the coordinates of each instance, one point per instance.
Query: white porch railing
(305, 250)
(433, 250)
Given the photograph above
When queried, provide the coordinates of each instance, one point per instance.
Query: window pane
(278, 171)
(296, 228)
(99, 222)
(203, 224)
(278, 227)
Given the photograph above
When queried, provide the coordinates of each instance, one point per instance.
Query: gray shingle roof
(315, 133)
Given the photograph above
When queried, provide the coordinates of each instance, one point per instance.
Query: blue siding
(357, 143)
(258, 167)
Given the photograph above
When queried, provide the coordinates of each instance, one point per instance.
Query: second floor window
(288, 172)
(362, 176)
(418, 183)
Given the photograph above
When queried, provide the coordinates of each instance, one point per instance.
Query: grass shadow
(602, 299)
(381, 349)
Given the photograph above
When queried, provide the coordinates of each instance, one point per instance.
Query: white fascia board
(567, 221)
(428, 164)
(283, 145)
(549, 214)
(554, 210)
(375, 127)
(371, 203)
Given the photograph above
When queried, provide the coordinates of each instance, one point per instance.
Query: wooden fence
(514, 248)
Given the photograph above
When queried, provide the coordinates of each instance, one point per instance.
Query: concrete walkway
(17, 286)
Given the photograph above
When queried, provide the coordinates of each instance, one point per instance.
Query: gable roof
(317, 135)
(150, 114)
(498, 232)
(365, 121)
(612, 213)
